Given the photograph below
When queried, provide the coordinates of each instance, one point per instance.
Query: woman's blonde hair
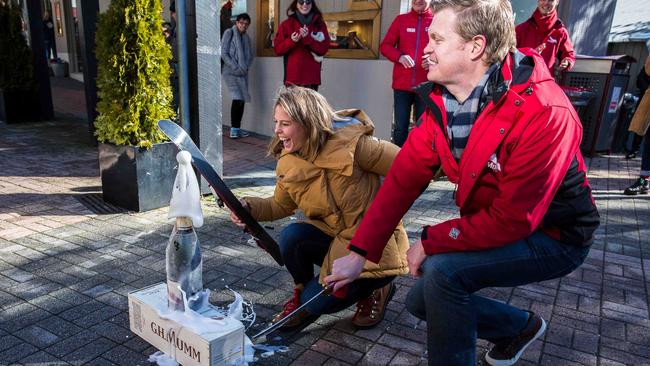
(493, 19)
(312, 111)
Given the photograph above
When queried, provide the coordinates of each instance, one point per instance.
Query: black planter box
(135, 178)
(19, 106)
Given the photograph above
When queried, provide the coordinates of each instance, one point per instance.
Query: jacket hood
(339, 150)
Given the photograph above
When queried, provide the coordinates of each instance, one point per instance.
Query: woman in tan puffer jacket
(329, 166)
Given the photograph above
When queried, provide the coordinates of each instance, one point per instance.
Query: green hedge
(132, 74)
(16, 69)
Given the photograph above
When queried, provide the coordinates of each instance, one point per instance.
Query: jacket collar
(558, 23)
(314, 19)
(425, 13)
(516, 72)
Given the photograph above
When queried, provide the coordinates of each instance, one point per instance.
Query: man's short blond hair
(492, 19)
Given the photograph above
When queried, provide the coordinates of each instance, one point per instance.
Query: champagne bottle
(184, 266)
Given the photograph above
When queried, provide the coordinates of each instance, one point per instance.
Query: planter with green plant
(136, 165)
(18, 88)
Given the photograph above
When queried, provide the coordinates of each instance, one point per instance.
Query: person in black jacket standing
(639, 125)
(50, 42)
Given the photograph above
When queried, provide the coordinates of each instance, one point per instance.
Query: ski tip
(163, 122)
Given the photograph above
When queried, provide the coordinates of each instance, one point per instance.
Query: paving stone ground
(66, 270)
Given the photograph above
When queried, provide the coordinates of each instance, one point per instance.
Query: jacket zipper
(415, 55)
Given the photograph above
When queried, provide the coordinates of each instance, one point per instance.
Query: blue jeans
(302, 246)
(403, 101)
(445, 295)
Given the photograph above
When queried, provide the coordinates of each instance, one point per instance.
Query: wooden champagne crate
(220, 343)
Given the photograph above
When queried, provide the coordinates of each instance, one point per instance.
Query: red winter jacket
(300, 67)
(407, 35)
(521, 170)
(558, 44)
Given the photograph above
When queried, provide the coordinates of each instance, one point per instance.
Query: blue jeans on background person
(302, 246)
(445, 294)
(403, 101)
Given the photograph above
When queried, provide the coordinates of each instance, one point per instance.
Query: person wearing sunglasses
(302, 40)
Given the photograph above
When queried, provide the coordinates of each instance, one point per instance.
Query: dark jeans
(403, 101)
(645, 157)
(303, 246)
(50, 51)
(445, 296)
(236, 113)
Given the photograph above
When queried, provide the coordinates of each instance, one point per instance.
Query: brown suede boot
(290, 306)
(371, 311)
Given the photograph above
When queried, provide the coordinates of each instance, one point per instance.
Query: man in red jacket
(506, 135)
(547, 35)
(403, 45)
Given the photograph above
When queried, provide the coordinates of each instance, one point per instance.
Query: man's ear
(478, 45)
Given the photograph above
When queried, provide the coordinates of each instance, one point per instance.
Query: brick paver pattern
(65, 271)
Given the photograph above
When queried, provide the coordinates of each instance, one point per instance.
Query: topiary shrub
(132, 74)
(16, 69)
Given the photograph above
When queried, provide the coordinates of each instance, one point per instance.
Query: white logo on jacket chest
(551, 40)
(493, 163)
(410, 30)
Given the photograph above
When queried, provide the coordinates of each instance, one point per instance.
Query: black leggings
(236, 113)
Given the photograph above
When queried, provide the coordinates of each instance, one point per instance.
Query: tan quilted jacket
(335, 190)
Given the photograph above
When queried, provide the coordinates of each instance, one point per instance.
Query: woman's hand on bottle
(236, 219)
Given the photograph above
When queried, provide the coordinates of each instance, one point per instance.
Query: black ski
(185, 143)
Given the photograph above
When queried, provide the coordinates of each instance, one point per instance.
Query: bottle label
(174, 295)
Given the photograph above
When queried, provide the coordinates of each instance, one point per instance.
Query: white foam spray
(205, 326)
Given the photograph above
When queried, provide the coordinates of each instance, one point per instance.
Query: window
(405, 6)
(267, 25)
(523, 9)
(353, 28)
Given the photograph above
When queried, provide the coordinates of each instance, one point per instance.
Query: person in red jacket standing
(545, 33)
(303, 41)
(403, 45)
(505, 133)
